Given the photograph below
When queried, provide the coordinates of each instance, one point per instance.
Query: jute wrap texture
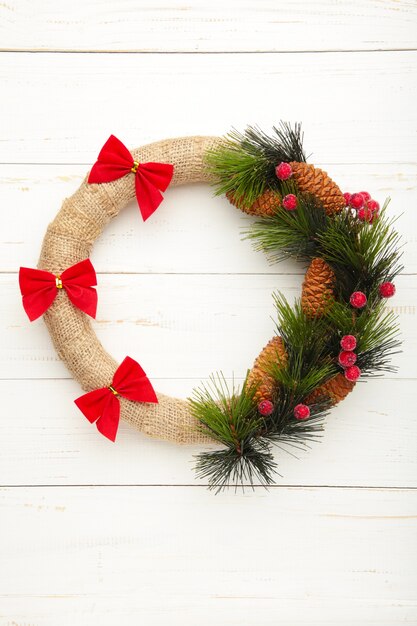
(69, 239)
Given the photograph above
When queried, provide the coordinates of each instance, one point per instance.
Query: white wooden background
(100, 534)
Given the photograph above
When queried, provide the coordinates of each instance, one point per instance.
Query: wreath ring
(226, 161)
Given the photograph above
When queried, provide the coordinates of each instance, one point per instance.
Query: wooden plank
(178, 325)
(369, 440)
(198, 26)
(192, 231)
(105, 556)
(353, 112)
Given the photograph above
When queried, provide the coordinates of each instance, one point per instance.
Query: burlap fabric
(69, 239)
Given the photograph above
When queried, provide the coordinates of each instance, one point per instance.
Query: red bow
(39, 288)
(102, 405)
(115, 161)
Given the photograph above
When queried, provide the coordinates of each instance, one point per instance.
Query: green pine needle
(361, 255)
(290, 234)
(244, 164)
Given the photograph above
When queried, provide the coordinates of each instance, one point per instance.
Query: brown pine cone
(336, 388)
(273, 352)
(265, 204)
(317, 292)
(313, 180)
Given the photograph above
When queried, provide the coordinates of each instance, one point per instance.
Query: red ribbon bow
(39, 288)
(115, 161)
(102, 406)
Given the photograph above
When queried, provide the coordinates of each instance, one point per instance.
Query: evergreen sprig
(290, 234)
(362, 255)
(230, 417)
(243, 165)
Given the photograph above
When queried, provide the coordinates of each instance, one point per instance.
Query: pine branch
(244, 164)
(290, 234)
(231, 418)
(362, 255)
(223, 468)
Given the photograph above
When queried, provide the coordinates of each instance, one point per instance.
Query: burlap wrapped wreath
(83, 216)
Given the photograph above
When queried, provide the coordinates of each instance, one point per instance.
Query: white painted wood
(355, 109)
(177, 554)
(369, 440)
(156, 556)
(192, 231)
(199, 26)
(178, 325)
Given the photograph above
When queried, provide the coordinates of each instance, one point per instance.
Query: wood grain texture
(128, 245)
(359, 109)
(96, 534)
(198, 26)
(369, 440)
(178, 325)
(123, 555)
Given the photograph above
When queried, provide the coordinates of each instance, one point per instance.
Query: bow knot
(135, 166)
(39, 288)
(115, 161)
(102, 406)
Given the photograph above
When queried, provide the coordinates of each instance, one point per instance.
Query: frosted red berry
(358, 299)
(347, 198)
(283, 171)
(372, 205)
(289, 202)
(364, 214)
(265, 408)
(348, 342)
(386, 290)
(356, 201)
(301, 412)
(365, 195)
(347, 358)
(352, 373)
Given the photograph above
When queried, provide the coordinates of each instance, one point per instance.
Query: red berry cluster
(367, 209)
(283, 171)
(347, 358)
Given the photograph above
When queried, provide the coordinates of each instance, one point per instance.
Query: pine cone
(265, 204)
(317, 292)
(313, 180)
(273, 352)
(336, 388)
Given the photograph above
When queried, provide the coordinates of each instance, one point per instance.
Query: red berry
(386, 290)
(301, 412)
(283, 171)
(347, 198)
(265, 407)
(346, 358)
(348, 342)
(366, 196)
(356, 201)
(364, 214)
(358, 299)
(352, 373)
(372, 205)
(289, 202)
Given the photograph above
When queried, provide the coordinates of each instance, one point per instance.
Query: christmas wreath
(337, 331)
